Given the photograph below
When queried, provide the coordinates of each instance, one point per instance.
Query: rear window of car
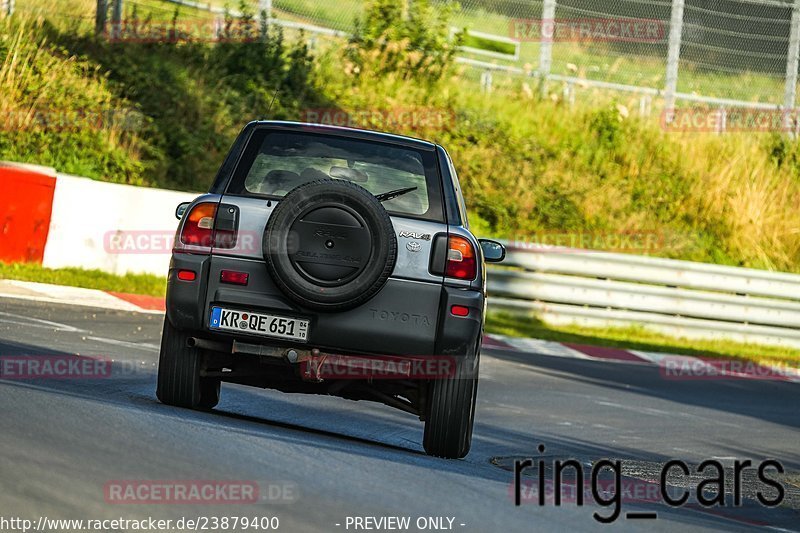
(275, 162)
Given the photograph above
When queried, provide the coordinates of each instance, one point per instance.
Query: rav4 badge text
(413, 235)
(417, 320)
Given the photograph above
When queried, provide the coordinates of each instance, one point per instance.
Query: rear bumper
(404, 318)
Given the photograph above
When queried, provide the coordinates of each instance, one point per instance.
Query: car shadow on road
(364, 428)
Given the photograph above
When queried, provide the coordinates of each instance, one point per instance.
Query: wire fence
(715, 54)
(723, 49)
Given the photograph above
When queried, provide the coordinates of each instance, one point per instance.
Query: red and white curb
(675, 367)
(59, 294)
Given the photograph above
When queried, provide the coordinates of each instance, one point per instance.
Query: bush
(190, 97)
(415, 44)
(58, 110)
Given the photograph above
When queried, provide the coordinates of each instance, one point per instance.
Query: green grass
(146, 284)
(531, 165)
(340, 15)
(636, 338)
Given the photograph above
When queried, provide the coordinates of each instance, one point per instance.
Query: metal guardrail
(681, 298)
(489, 37)
(573, 81)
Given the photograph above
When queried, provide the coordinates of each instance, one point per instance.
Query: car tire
(451, 413)
(179, 373)
(330, 245)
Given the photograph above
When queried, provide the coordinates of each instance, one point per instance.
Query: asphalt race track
(330, 460)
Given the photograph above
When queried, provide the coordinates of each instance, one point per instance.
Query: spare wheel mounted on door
(330, 245)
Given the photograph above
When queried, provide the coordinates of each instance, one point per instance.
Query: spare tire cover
(330, 245)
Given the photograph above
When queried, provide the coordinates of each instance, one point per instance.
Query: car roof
(345, 132)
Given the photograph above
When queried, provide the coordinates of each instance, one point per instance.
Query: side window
(462, 206)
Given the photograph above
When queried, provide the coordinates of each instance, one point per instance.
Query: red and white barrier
(65, 221)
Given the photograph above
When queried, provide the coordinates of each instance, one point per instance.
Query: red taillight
(198, 229)
(461, 262)
(234, 277)
(459, 310)
(187, 275)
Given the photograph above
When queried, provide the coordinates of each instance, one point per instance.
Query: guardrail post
(569, 93)
(265, 12)
(100, 17)
(645, 101)
(792, 55)
(673, 57)
(219, 27)
(486, 81)
(546, 42)
(7, 7)
(722, 123)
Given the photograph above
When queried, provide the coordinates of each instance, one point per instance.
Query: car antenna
(274, 96)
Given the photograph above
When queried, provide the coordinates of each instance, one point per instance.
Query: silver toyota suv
(334, 261)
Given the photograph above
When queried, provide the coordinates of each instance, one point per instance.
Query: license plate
(259, 324)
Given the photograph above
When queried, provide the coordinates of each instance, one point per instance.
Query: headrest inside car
(349, 174)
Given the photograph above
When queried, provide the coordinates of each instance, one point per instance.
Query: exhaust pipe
(289, 354)
(203, 344)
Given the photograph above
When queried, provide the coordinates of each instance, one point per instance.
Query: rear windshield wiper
(394, 194)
